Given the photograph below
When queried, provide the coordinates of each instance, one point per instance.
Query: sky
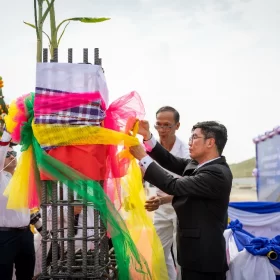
(209, 59)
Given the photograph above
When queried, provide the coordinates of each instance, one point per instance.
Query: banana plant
(40, 17)
(55, 38)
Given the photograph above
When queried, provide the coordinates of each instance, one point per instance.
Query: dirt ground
(243, 194)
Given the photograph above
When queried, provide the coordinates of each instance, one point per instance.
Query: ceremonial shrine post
(60, 259)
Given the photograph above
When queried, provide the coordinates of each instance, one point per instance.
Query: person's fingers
(153, 208)
(151, 199)
(136, 120)
(152, 204)
(149, 203)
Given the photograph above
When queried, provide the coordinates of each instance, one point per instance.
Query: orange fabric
(89, 160)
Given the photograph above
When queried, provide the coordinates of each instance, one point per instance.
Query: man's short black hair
(212, 129)
(170, 109)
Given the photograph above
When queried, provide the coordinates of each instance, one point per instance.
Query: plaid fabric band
(89, 114)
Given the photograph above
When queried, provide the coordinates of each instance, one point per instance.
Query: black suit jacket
(200, 200)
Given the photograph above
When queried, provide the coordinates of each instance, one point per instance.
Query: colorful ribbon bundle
(43, 125)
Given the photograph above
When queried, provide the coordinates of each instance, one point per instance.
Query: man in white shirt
(16, 238)
(165, 219)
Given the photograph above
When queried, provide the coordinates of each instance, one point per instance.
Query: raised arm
(158, 153)
(208, 183)
(164, 158)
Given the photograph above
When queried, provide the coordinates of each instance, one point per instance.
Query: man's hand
(138, 151)
(77, 210)
(153, 203)
(144, 130)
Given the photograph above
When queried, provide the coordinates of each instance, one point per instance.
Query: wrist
(148, 136)
(142, 156)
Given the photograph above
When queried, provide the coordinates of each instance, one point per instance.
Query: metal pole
(54, 229)
(44, 228)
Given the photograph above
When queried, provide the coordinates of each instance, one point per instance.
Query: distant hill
(243, 169)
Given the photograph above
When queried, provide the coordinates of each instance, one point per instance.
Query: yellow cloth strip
(17, 190)
(61, 135)
(9, 119)
(140, 225)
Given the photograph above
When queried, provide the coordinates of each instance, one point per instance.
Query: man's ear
(211, 142)
(177, 125)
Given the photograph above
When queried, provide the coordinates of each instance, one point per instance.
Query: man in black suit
(201, 196)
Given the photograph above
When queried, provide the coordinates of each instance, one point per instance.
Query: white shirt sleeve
(145, 162)
(4, 145)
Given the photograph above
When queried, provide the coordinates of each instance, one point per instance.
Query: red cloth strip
(4, 143)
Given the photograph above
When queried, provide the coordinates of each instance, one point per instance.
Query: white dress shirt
(8, 217)
(165, 219)
(179, 149)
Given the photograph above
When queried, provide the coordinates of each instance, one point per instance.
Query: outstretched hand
(144, 129)
(138, 151)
